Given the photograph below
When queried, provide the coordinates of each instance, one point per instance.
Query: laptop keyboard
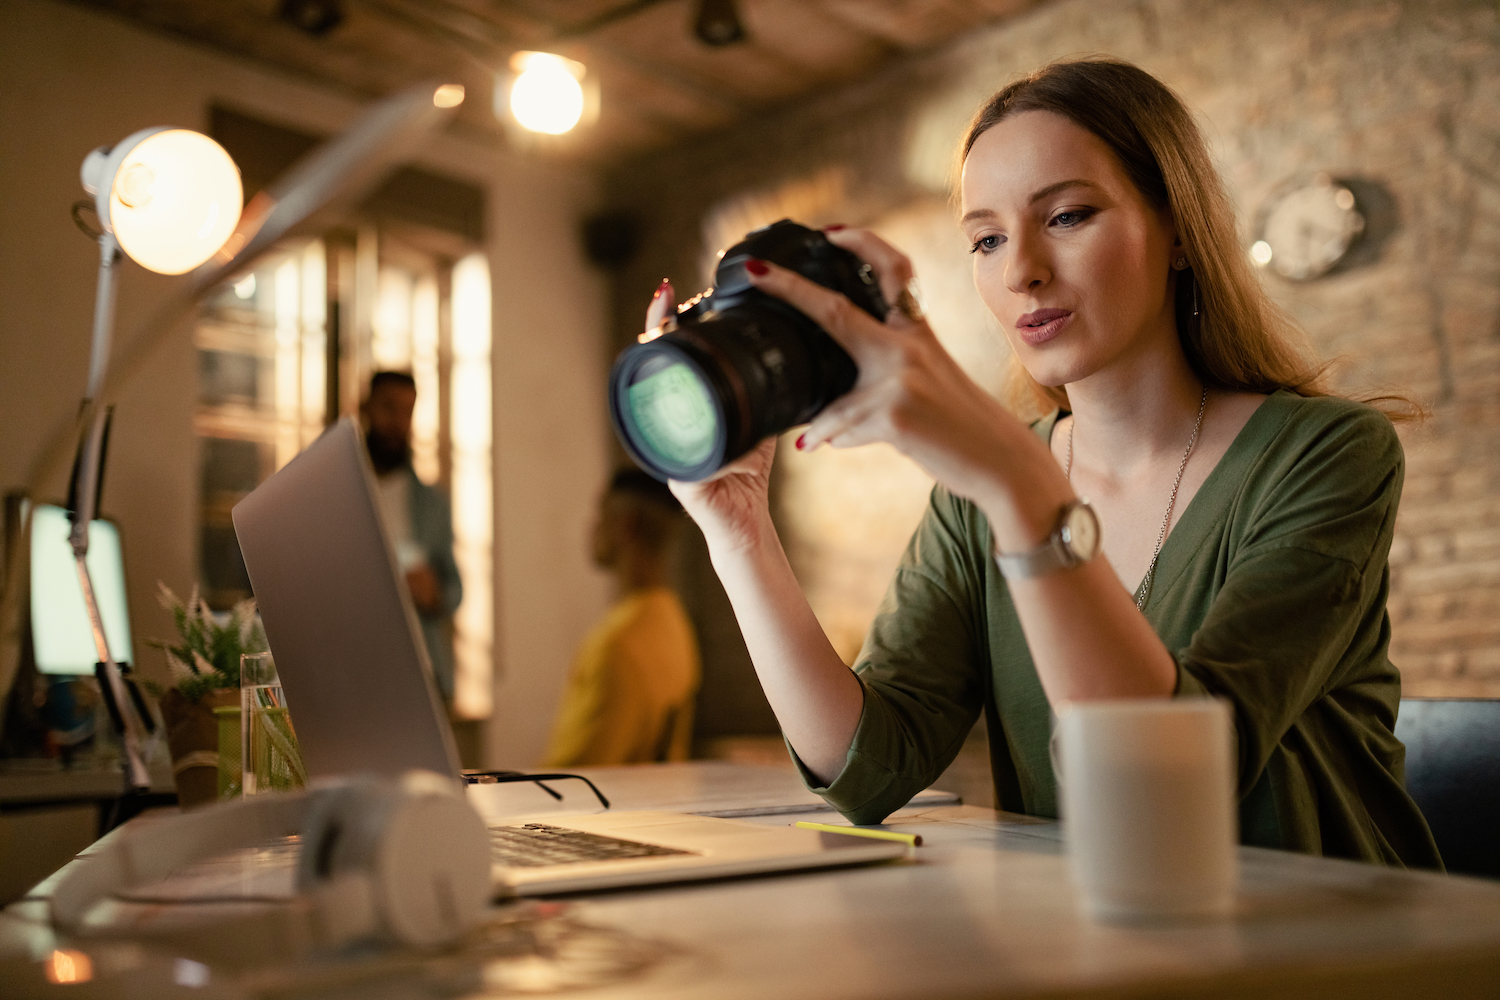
(537, 844)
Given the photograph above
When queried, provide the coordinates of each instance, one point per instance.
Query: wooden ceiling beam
(908, 26)
(660, 84)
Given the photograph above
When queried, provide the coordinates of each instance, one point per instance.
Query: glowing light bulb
(245, 287)
(174, 200)
(134, 185)
(546, 95)
(1261, 253)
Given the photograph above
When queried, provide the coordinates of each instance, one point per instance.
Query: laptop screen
(338, 617)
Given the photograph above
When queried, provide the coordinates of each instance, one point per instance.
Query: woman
(1243, 514)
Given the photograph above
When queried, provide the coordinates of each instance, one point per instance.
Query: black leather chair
(1453, 771)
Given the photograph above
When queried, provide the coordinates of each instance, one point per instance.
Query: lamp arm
(94, 418)
(104, 314)
(137, 778)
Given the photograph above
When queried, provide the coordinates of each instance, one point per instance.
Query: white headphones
(403, 860)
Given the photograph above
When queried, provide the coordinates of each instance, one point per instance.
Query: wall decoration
(1308, 228)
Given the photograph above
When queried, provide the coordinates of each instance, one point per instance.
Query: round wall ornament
(1308, 228)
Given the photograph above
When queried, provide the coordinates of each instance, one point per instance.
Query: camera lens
(740, 365)
(670, 414)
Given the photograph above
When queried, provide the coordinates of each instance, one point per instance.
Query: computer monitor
(62, 640)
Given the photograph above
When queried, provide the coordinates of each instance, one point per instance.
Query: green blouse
(1270, 592)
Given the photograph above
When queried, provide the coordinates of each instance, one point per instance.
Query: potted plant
(201, 707)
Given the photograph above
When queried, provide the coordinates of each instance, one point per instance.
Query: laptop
(357, 679)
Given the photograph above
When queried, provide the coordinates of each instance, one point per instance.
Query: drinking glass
(271, 760)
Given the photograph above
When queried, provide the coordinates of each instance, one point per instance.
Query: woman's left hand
(910, 392)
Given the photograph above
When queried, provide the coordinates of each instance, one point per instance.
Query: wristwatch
(1073, 542)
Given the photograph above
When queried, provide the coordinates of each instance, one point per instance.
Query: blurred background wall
(1400, 99)
(72, 79)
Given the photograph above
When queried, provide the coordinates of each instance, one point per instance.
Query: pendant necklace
(1145, 587)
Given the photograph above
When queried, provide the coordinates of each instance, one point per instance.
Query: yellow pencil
(910, 839)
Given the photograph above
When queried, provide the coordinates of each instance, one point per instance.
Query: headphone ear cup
(334, 873)
(406, 859)
(332, 832)
(432, 867)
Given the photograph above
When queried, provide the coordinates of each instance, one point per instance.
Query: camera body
(741, 365)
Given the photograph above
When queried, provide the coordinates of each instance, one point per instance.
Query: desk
(27, 782)
(985, 909)
(48, 812)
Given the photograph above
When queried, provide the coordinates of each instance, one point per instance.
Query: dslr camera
(741, 365)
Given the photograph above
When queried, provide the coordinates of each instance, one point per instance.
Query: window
(262, 383)
(271, 376)
(473, 523)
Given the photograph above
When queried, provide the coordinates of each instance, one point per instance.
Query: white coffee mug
(1148, 806)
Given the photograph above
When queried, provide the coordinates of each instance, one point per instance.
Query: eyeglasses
(502, 777)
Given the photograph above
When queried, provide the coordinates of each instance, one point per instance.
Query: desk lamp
(170, 200)
(167, 198)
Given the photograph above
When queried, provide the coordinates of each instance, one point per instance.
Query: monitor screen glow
(61, 636)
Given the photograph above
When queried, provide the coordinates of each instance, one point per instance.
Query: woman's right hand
(732, 508)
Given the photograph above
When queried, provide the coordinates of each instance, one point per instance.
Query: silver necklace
(1145, 587)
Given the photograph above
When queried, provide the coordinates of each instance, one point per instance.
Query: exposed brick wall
(1401, 97)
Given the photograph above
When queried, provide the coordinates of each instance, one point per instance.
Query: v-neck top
(1270, 591)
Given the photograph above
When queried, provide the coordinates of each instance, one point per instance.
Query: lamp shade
(171, 196)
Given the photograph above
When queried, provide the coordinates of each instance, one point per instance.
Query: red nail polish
(757, 267)
(834, 228)
(800, 438)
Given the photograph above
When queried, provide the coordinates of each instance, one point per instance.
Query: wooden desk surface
(985, 909)
(29, 782)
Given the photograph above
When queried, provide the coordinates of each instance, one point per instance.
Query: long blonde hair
(1235, 338)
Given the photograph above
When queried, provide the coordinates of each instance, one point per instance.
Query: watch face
(1080, 532)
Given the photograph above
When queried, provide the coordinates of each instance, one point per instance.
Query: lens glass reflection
(673, 415)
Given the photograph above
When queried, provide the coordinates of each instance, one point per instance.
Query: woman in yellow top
(1239, 516)
(629, 697)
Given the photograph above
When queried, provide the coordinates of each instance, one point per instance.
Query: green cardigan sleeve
(922, 670)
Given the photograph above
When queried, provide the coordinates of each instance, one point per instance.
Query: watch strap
(1047, 557)
(1053, 554)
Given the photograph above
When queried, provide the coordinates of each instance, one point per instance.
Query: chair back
(668, 735)
(1453, 773)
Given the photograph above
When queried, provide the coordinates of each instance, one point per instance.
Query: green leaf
(210, 651)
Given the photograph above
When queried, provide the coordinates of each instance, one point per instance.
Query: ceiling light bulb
(170, 196)
(546, 95)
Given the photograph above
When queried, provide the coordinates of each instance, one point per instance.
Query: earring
(1181, 262)
(1194, 280)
